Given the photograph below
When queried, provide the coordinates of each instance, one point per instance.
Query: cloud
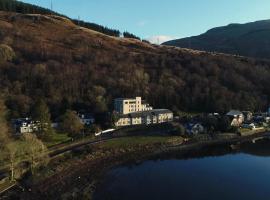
(159, 39)
(142, 23)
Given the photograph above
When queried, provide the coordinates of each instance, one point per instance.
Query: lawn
(141, 140)
(58, 138)
(244, 130)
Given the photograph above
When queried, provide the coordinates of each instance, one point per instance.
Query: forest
(80, 70)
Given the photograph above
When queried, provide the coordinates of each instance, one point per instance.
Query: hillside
(251, 40)
(71, 67)
(26, 8)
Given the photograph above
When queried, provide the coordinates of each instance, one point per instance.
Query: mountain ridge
(250, 39)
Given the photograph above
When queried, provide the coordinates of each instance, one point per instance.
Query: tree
(95, 128)
(130, 35)
(8, 148)
(210, 123)
(37, 153)
(70, 123)
(114, 117)
(6, 53)
(42, 116)
(179, 129)
(224, 124)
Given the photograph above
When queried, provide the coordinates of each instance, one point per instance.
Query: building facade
(24, 125)
(130, 105)
(237, 118)
(156, 116)
(86, 119)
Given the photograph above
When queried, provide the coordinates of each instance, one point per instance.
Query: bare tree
(37, 152)
(6, 145)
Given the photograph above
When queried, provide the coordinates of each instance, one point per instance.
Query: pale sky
(161, 20)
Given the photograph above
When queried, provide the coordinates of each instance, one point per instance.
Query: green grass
(244, 130)
(58, 138)
(140, 140)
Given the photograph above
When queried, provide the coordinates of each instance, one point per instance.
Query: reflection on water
(216, 173)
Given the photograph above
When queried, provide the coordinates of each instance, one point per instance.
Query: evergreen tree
(130, 35)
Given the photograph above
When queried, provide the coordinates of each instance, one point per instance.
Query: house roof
(234, 113)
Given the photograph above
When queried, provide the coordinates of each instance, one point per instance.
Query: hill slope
(77, 68)
(26, 8)
(251, 39)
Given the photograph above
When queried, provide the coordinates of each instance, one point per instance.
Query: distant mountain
(251, 39)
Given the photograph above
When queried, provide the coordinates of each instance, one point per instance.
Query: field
(58, 138)
(141, 141)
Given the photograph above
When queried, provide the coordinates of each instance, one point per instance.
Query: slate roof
(234, 113)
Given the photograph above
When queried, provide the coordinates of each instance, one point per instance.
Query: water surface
(233, 175)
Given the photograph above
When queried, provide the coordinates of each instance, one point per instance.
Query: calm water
(233, 175)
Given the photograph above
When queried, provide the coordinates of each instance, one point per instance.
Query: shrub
(6, 53)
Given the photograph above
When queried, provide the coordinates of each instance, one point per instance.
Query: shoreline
(81, 178)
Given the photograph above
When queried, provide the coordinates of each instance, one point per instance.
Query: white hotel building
(137, 112)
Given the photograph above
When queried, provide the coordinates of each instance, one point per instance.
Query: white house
(237, 117)
(24, 125)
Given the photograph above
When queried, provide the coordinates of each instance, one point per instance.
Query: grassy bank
(128, 142)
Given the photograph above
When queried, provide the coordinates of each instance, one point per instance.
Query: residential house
(194, 128)
(24, 125)
(86, 118)
(261, 118)
(237, 117)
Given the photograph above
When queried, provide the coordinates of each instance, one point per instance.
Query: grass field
(141, 140)
(58, 138)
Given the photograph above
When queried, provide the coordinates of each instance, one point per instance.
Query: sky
(161, 20)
